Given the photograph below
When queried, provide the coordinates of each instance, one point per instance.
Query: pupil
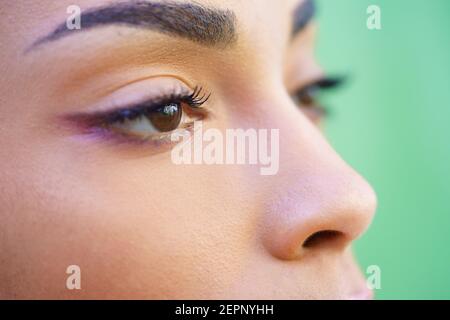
(166, 118)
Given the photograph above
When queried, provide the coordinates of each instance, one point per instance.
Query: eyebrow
(302, 15)
(206, 26)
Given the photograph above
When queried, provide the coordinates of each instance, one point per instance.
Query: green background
(392, 123)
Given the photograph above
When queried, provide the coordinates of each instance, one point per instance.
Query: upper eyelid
(164, 99)
(183, 86)
(127, 93)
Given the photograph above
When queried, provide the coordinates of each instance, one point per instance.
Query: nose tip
(326, 214)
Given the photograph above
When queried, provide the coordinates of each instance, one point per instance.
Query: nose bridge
(318, 202)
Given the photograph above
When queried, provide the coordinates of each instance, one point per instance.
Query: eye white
(141, 125)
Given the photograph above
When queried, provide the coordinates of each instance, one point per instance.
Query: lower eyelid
(160, 141)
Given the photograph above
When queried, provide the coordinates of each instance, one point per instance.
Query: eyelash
(194, 100)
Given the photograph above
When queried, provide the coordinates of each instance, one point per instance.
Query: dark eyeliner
(326, 83)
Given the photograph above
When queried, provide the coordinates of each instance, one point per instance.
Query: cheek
(136, 227)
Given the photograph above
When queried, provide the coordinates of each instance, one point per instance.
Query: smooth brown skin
(136, 224)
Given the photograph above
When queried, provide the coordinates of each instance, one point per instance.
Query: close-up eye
(307, 98)
(216, 150)
(149, 120)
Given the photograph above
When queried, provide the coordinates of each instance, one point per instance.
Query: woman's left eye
(307, 97)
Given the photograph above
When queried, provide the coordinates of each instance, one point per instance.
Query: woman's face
(87, 176)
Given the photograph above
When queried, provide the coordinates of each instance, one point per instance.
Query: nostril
(324, 238)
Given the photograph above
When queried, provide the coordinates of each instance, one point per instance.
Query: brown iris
(166, 118)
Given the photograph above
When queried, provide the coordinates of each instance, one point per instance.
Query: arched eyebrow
(206, 26)
(302, 15)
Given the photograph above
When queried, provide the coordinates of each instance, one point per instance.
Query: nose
(316, 202)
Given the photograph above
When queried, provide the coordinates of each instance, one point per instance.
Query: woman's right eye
(148, 122)
(151, 120)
